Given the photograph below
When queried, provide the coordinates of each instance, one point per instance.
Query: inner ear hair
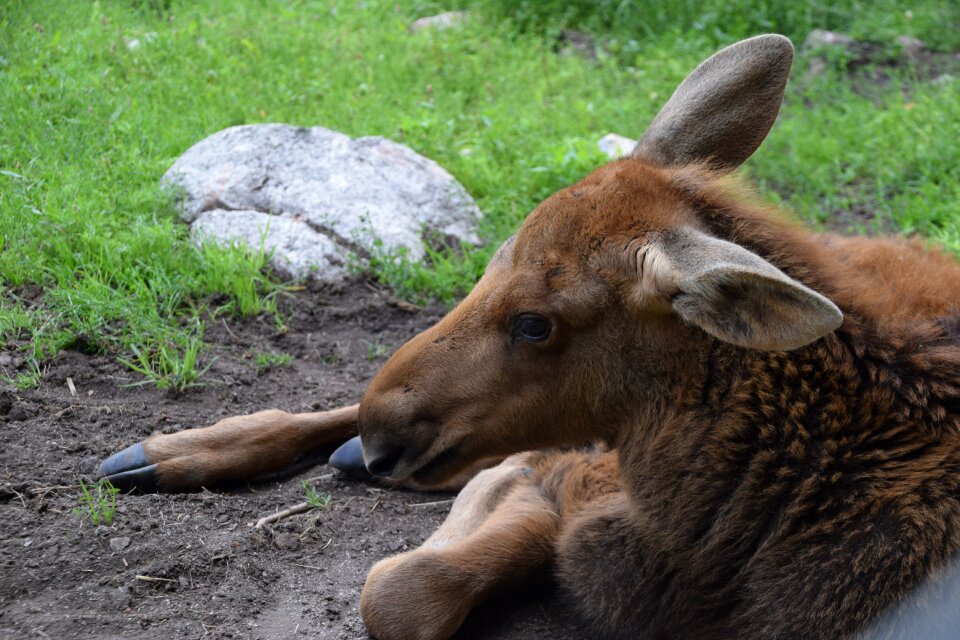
(653, 270)
(732, 293)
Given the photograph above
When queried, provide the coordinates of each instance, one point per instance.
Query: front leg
(500, 529)
(234, 449)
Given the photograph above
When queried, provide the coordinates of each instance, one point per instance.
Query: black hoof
(133, 457)
(349, 459)
(143, 479)
(130, 469)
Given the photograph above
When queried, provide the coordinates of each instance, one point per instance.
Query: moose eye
(531, 327)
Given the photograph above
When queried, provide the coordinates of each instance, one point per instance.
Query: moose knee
(415, 596)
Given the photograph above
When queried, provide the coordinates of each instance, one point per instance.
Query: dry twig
(286, 513)
(153, 579)
(431, 504)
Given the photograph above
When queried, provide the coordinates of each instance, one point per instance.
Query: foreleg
(234, 449)
(499, 531)
(502, 529)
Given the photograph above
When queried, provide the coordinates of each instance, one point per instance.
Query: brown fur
(242, 447)
(765, 492)
(768, 491)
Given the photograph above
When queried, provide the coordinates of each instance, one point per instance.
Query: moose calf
(779, 411)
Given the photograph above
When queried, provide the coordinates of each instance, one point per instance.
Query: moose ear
(737, 296)
(724, 109)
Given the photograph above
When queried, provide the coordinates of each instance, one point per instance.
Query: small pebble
(911, 46)
(286, 541)
(119, 544)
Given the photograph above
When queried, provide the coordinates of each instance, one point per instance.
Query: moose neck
(728, 453)
(760, 443)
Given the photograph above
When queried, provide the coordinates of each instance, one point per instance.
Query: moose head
(584, 320)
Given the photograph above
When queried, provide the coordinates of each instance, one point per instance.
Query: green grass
(377, 351)
(900, 160)
(314, 497)
(98, 502)
(89, 126)
(271, 360)
(169, 368)
(721, 21)
(29, 379)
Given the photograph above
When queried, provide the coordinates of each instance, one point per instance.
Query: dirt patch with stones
(193, 565)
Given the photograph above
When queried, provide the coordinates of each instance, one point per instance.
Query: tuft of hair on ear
(730, 205)
(738, 297)
(756, 311)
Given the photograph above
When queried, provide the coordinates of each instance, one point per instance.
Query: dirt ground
(210, 574)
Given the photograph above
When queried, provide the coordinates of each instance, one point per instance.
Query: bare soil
(192, 565)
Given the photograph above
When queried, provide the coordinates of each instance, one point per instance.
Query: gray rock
(819, 38)
(615, 145)
(325, 196)
(441, 21)
(296, 249)
(910, 46)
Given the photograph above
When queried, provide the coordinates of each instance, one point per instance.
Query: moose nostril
(382, 460)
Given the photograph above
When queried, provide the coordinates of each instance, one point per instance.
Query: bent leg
(501, 530)
(234, 449)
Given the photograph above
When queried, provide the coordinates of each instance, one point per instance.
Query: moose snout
(382, 459)
(395, 433)
(395, 450)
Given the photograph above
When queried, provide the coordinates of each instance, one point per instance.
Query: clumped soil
(193, 565)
